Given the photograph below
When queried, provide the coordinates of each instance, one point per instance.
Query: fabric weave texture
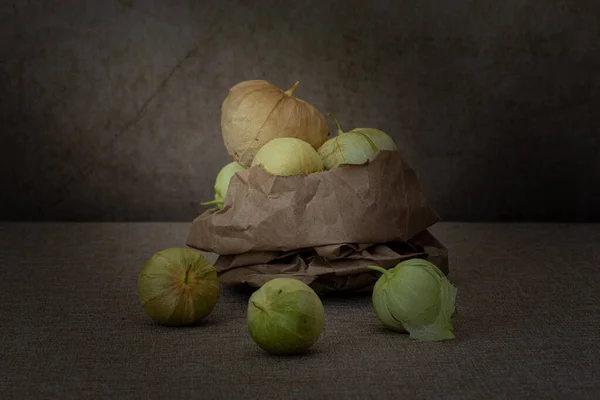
(71, 326)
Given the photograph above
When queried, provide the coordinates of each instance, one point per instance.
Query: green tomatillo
(178, 286)
(222, 183)
(285, 316)
(354, 147)
(288, 156)
(415, 297)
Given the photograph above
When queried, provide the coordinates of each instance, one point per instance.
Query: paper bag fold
(329, 269)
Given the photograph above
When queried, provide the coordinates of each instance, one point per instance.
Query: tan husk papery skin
(256, 111)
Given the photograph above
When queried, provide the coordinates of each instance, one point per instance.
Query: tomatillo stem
(378, 268)
(208, 203)
(290, 91)
(340, 131)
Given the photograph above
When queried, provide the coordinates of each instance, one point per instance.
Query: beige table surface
(71, 325)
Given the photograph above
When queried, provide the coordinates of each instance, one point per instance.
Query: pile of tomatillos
(264, 126)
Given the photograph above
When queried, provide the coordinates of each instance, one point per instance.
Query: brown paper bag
(377, 202)
(329, 269)
(323, 228)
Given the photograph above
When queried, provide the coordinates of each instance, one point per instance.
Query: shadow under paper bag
(323, 228)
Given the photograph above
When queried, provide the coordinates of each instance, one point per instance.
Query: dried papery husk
(256, 111)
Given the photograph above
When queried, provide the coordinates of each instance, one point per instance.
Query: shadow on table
(247, 290)
(211, 320)
(254, 352)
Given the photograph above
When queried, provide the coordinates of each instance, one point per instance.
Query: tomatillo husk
(288, 156)
(222, 183)
(354, 147)
(256, 111)
(285, 316)
(415, 297)
(177, 287)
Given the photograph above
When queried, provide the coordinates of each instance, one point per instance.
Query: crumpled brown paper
(323, 228)
(328, 269)
(380, 201)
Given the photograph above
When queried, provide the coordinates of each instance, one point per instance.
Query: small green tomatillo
(285, 316)
(354, 147)
(415, 297)
(178, 286)
(222, 183)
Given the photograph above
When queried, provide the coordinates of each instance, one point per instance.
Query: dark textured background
(110, 109)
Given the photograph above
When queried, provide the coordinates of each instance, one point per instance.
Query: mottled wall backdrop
(110, 110)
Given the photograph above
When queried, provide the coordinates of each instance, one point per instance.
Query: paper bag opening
(377, 202)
